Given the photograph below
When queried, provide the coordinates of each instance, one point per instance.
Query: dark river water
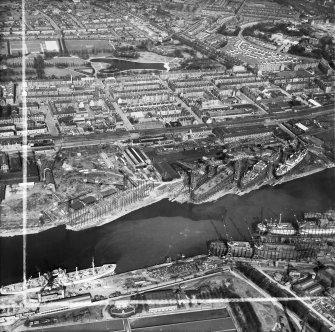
(119, 65)
(146, 236)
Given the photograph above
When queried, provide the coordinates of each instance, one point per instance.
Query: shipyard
(167, 165)
(79, 186)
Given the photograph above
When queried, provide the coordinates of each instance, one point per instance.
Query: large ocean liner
(57, 278)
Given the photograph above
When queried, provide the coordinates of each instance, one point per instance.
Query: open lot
(114, 325)
(78, 45)
(210, 325)
(60, 72)
(179, 318)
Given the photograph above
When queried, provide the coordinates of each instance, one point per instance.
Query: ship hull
(316, 231)
(283, 232)
(280, 173)
(276, 230)
(245, 183)
(107, 271)
(285, 254)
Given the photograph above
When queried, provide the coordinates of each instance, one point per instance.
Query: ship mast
(93, 266)
(262, 220)
(279, 218)
(226, 231)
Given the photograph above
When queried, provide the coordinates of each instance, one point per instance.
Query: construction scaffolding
(92, 214)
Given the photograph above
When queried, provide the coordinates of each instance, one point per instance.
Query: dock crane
(216, 230)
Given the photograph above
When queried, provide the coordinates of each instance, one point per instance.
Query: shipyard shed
(137, 157)
(315, 290)
(108, 192)
(327, 276)
(77, 204)
(166, 171)
(150, 139)
(88, 200)
(301, 286)
(63, 303)
(301, 126)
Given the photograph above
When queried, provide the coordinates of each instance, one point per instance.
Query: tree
(177, 53)
(39, 65)
(297, 50)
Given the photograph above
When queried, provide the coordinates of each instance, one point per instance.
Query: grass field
(60, 72)
(78, 45)
(32, 45)
(69, 60)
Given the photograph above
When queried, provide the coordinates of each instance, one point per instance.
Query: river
(120, 65)
(146, 236)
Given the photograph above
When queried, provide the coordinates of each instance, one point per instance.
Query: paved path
(182, 102)
(51, 123)
(123, 116)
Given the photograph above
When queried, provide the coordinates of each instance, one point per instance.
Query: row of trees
(85, 53)
(269, 28)
(324, 49)
(223, 30)
(39, 66)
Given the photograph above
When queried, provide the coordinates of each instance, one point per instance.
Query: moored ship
(213, 185)
(258, 172)
(58, 278)
(294, 160)
(277, 228)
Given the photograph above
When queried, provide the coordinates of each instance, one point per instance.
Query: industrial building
(136, 157)
(164, 300)
(12, 173)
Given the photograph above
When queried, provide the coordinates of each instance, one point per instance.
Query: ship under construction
(299, 250)
(93, 213)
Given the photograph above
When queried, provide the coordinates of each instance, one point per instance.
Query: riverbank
(148, 235)
(236, 191)
(162, 191)
(173, 191)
